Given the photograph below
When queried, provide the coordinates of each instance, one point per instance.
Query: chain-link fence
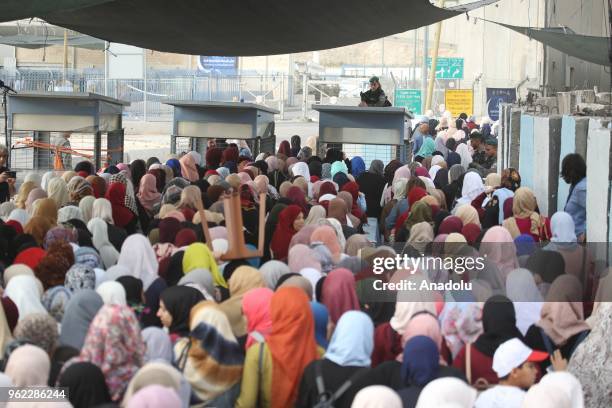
(146, 95)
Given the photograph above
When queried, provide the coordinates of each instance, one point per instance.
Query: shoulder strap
(346, 385)
(547, 342)
(579, 340)
(319, 381)
(468, 362)
(260, 373)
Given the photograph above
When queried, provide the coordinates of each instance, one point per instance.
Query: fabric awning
(585, 47)
(235, 27)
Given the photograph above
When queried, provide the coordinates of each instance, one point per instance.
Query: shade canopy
(234, 27)
(585, 47)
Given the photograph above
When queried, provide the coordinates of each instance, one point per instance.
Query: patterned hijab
(130, 201)
(114, 344)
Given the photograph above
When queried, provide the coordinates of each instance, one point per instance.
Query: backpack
(325, 398)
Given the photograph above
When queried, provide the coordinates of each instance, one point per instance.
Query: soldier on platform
(375, 97)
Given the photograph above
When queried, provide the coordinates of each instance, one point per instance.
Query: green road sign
(447, 68)
(409, 99)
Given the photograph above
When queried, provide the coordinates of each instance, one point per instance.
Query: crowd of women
(111, 291)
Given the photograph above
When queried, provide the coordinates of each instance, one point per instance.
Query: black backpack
(326, 398)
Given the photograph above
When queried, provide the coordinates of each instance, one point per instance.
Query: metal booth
(373, 133)
(194, 122)
(38, 122)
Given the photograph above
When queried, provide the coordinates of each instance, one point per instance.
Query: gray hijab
(271, 272)
(200, 277)
(326, 171)
(79, 313)
(159, 345)
(455, 172)
(377, 167)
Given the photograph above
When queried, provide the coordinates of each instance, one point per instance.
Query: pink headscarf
(301, 256)
(147, 192)
(244, 177)
(218, 233)
(176, 214)
(256, 310)
(302, 236)
(155, 396)
(421, 172)
(125, 167)
(498, 246)
(188, 168)
(339, 293)
(423, 324)
(34, 195)
(262, 183)
(327, 235)
(402, 172)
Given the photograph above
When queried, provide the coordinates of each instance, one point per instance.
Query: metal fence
(146, 95)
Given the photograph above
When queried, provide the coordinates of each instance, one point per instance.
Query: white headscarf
(433, 170)
(313, 275)
(546, 395)
(523, 291)
(46, 178)
(563, 228)
(102, 209)
(138, 256)
(472, 188)
(68, 213)
(112, 293)
(19, 215)
(24, 292)
(99, 231)
(86, 207)
(464, 152)
(569, 384)
(377, 396)
(445, 391)
(301, 169)
(5, 209)
(34, 177)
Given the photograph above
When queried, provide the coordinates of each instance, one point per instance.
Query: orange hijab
(291, 342)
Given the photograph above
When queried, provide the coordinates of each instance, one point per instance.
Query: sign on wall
(409, 99)
(496, 96)
(459, 101)
(447, 68)
(223, 64)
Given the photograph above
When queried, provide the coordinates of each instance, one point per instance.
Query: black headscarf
(85, 166)
(133, 289)
(86, 385)
(138, 168)
(548, 264)
(441, 179)
(440, 216)
(390, 170)
(179, 300)
(315, 167)
(498, 323)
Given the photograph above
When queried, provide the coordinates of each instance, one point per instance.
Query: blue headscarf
(357, 166)
(525, 245)
(421, 361)
(175, 165)
(452, 159)
(321, 318)
(428, 147)
(353, 340)
(254, 262)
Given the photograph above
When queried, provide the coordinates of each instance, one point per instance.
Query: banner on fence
(495, 96)
(409, 99)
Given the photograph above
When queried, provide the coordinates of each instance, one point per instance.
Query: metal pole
(424, 68)
(414, 59)
(144, 63)
(65, 55)
(266, 80)
(434, 61)
(382, 56)
(304, 94)
(106, 45)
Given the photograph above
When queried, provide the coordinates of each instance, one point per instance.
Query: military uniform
(375, 98)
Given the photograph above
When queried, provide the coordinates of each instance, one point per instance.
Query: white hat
(511, 354)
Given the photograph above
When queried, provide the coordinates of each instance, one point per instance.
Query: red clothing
(524, 225)
(482, 365)
(387, 344)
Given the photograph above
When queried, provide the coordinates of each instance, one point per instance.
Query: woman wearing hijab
(242, 280)
(347, 357)
(291, 220)
(499, 325)
(498, 246)
(122, 216)
(447, 391)
(256, 309)
(37, 227)
(99, 230)
(198, 256)
(138, 257)
(339, 294)
(271, 272)
(472, 187)
(57, 191)
(591, 362)
(290, 347)
(427, 148)
(578, 260)
(522, 290)
(115, 345)
(526, 218)
(468, 215)
(28, 366)
(148, 196)
(86, 385)
(79, 313)
(25, 293)
(175, 303)
(175, 165)
(561, 325)
(372, 184)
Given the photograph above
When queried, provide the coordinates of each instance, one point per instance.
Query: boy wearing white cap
(514, 364)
